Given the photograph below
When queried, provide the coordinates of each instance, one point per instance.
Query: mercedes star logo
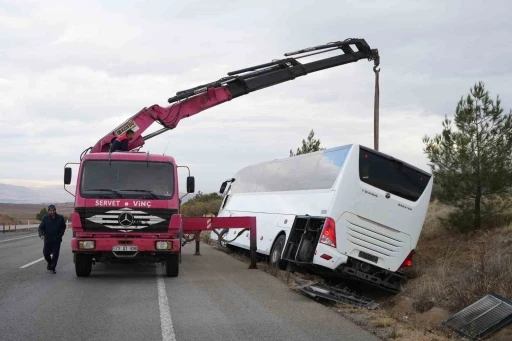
(387, 195)
(126, 219)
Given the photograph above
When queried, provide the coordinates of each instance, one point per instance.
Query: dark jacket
(120, 144)
(52, 228)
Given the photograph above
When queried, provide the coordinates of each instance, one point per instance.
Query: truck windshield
(391, 175)
(127, 179)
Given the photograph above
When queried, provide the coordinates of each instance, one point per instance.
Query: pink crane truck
(127, 204)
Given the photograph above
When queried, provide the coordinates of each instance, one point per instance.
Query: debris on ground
(337, 294)
(482, 318)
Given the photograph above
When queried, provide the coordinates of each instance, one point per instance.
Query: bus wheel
(277, 251)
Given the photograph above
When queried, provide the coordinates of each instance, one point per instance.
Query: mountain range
(35, 195)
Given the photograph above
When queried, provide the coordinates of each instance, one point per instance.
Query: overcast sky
(72, 71)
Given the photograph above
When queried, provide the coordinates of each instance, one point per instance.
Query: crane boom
(238, 83)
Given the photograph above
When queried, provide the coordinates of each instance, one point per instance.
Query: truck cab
(126, 210)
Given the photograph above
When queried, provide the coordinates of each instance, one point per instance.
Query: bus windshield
(390, 175)
(127, 179)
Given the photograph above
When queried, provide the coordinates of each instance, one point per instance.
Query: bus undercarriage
(300, 250)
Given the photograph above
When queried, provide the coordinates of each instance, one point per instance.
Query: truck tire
(83, 265)
(276, 253)
(172, 266)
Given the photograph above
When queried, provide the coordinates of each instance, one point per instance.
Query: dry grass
(387, 324)
(22, 213)
(205, 237)
(454, 270)
(433, 227)
(383, 322)
(6, 219)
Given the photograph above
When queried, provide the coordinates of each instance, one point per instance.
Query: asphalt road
(215, 297)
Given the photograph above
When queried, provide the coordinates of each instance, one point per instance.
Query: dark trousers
(51, 248)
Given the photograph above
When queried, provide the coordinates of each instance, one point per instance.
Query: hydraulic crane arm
(192, 101)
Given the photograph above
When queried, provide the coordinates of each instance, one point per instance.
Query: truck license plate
(125, 248)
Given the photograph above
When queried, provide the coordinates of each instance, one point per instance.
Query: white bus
(349, 211)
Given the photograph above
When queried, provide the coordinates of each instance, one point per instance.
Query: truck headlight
(86, 244)
(163, 245)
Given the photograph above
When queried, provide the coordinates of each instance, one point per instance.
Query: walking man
(51, 230)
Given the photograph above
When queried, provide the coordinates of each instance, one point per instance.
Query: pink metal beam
(194, 225)
(169, 117)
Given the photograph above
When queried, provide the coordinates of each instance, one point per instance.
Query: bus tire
(277, 251)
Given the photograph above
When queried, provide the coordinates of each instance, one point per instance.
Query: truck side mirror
(191, 186)
(223, 187)
(67, 175)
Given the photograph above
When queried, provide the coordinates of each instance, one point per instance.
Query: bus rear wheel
(277, 251)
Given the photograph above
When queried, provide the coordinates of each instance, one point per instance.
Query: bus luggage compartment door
(303, 239)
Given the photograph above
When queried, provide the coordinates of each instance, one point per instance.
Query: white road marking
(29, 264)
(8, 240)
(165, 311)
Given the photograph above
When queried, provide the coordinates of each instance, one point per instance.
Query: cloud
(71, 72)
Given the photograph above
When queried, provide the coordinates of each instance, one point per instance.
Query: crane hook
(376, 63)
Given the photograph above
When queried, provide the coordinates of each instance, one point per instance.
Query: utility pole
(376, 107)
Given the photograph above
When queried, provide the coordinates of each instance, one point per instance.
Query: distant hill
(27, 195)
(52, 194)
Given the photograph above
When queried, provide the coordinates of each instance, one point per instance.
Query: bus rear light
(328, 236)
(408, 261)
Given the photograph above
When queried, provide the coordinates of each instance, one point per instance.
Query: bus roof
(347, 146)
(312, 171)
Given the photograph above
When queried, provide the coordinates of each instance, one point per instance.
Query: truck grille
(125, 219)
(380, 241)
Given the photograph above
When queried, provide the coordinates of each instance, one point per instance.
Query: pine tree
(311, 145)
(472, 164)
(41, 213)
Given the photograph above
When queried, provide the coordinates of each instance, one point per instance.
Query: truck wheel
(83, 265)
(172, 266)
(277, 251)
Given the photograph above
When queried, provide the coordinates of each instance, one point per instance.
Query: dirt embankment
(450, 271)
